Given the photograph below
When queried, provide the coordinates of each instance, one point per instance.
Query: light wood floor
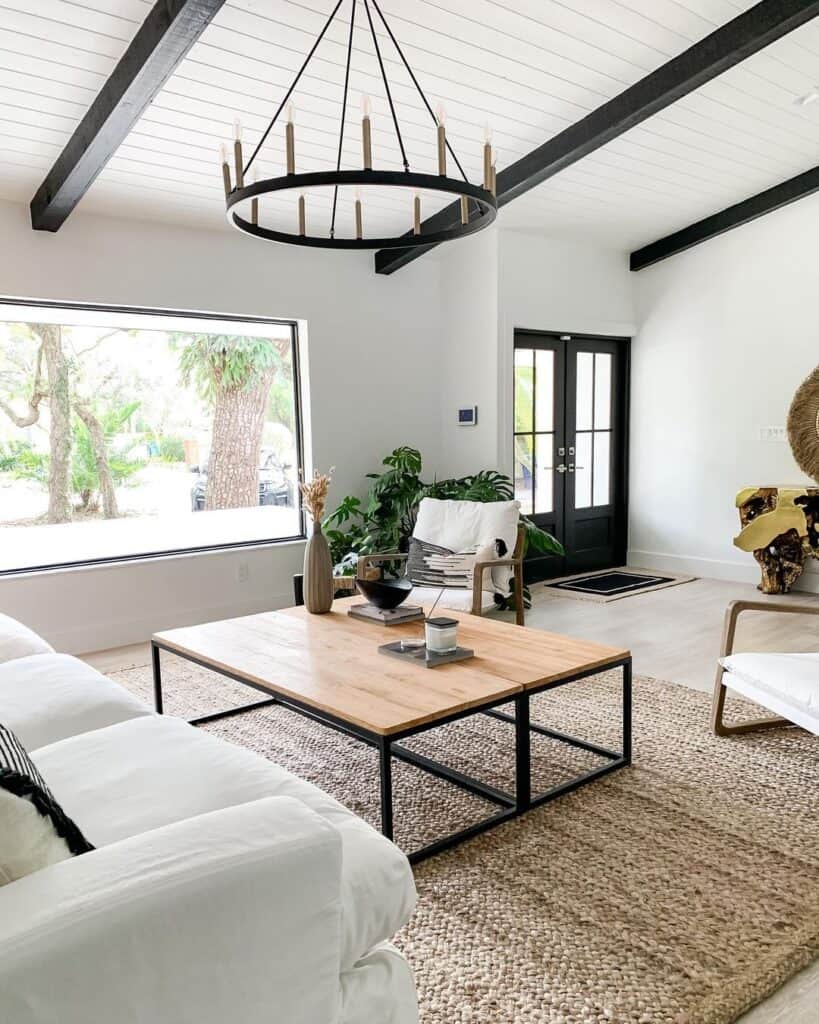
(674, 634)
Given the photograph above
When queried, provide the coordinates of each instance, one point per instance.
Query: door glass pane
(583, 471)
(544, 447)
(524, 386)
(585, 390)
(602, 452)
(544, 390)
(602, 391)
(523, 472)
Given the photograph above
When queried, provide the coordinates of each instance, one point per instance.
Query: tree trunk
(59, 405)
(233, 463)
(100, 451)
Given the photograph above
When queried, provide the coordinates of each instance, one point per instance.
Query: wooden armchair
(787, 684)
(367, 566)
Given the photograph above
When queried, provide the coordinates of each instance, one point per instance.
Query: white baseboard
(716, 569)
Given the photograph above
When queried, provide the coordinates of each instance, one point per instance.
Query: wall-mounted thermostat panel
(468, 417)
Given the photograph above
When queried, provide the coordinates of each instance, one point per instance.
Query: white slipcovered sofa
(222, 888)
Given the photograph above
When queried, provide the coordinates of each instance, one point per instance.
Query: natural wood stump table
(780, 525)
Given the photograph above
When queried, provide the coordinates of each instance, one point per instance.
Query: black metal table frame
(388, 746)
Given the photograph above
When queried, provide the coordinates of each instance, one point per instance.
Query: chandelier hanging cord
(343, 116)
(387, 87)
(295, 82)
(417, 85)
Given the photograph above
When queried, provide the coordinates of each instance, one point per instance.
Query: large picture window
(131, 433)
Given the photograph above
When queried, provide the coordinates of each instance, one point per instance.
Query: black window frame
(94, 307)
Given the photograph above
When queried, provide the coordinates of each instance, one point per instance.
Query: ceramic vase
(318, 573)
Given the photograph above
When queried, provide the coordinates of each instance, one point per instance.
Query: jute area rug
(680, 891)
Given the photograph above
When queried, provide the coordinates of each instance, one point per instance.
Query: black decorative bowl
(385, 593)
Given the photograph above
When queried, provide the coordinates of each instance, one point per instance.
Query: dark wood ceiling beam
(735, 41)
(163, 39)
(771, 199)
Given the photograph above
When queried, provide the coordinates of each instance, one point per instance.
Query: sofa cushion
(792, 677)
(17, 640)
(34, 829)
(151, 771)
(47, 697)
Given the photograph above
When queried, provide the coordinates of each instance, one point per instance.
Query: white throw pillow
(18, 641)
(34, 829)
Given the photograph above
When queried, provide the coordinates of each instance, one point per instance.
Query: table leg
(385, 756)
(627, 711)
(523, 754)
(157, 678)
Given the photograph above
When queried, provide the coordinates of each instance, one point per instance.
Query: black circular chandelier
(478, 203)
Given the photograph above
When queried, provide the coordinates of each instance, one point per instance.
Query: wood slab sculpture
(780, 525)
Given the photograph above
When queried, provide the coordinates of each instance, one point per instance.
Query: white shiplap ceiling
(528, 68)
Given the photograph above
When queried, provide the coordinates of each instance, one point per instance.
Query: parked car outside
(275, 487)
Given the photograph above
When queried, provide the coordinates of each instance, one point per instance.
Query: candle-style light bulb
(487, 157)
(290, 140)
(367, 132)
(440, 117)
(238, 159)
(493, 184)
(302, 216)
(358, 226)
(464, 210)
(416, 215)
(223, 160)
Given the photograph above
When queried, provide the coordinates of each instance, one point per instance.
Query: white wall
(371, 342)
(469, 353)
(554, 284)
(728, 330)
(497, 281)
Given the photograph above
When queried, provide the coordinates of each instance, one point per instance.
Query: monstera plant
(385, 520)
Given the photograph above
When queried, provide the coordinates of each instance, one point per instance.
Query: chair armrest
(231, 916)
(366, 562)
(736, 608)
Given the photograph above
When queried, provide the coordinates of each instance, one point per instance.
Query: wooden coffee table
(328, 668)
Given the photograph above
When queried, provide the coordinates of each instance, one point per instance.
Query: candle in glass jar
(441, 635)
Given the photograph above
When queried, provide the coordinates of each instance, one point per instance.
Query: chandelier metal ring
(476, 206)
(483, 199)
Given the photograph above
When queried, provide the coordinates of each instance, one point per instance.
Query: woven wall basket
(803, 426)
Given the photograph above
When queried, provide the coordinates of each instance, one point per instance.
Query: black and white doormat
(612, 584)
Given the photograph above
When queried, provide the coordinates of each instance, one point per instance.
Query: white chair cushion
(793, 678)
(456, 600)
(47, 697)
(148, 772)
(459, 525)
(17, 640)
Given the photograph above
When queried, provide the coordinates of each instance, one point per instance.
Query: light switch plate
(773, 434)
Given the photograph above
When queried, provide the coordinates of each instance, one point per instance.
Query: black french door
(570, 447)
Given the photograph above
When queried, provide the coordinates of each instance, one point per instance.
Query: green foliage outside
(223, 361)
(21, 459)
(385, 520)
(171, 449)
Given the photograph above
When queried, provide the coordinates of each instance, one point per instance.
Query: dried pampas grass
(314, 493)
